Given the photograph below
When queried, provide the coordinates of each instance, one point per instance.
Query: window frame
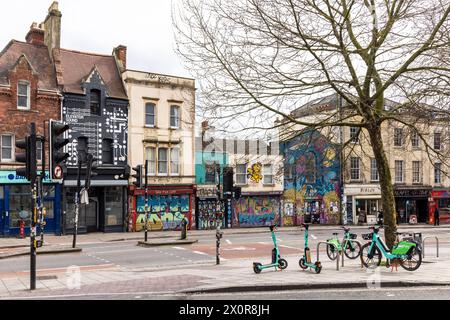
(154, 162)
(415, 137)
(402, 171)
(418, 172)
(353, 169)
(398, 133)
(178, 118)
(12, 147)
(439, 171)
(146, 114)
(270, 174)
(354, 134)
(28, 85)
(166, 161)
(109, 143)
(437, 134)
(242, 174)
(374, 170)
(99, 112)
(178, 173)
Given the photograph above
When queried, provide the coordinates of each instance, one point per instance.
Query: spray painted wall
(256, 211)
(312, 184)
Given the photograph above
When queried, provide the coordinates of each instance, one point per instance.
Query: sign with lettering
(10, 177)
(412, 193)
(207, 192)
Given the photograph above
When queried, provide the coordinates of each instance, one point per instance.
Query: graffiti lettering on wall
(165, 212)
(207, 214)
(256, 211)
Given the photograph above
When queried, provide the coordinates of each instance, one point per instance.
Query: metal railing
(437, 245)
(329, 244)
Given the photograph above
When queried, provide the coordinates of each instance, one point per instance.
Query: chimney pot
(35, 35)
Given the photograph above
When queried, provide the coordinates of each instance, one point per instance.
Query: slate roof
(75, 66)
(37, 55)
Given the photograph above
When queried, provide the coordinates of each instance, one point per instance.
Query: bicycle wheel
(370, 259)
(352, 252)
(413, 261)
(332, 252)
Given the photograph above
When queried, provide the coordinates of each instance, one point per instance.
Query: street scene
(246, 150)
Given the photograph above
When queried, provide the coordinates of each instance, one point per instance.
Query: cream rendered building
(161, 131)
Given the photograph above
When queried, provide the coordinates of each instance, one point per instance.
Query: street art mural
(254, 173)
(256, 211)
(207, 218)
(311, 187)
(166, 212)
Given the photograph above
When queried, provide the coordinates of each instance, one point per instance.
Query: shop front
(15, 202)
(257, 209)
(362, 203)
(167, 205)
(206, 208)
(412, 204)
(440, 198)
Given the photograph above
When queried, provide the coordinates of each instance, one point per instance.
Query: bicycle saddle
(346, 229)
(335, 233)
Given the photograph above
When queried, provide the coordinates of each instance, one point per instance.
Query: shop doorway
(422, 210)
(91, 214)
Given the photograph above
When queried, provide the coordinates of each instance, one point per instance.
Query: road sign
(58, 173)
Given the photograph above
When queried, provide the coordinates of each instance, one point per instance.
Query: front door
(2, 215)
(91, 210)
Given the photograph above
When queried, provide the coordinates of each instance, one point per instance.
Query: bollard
(183, 229)
(219, 235)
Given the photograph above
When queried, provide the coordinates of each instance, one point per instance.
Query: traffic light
(56, 146)
(28, 145)
(138, 176)
(228, 181)
(90, 170)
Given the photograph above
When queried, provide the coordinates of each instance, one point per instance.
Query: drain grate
(46, 278)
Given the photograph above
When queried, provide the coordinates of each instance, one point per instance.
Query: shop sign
(209, 192)
(10, 177)
(363, 190)
(413, 193)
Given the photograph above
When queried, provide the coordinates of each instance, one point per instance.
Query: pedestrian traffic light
(56, 146)
(28, 145)
(138, 176)
(228, 181)
(91, 170)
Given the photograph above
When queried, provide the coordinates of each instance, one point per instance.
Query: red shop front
(167, 206)
(440, 199)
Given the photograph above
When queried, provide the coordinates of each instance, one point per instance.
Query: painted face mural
(166, 212)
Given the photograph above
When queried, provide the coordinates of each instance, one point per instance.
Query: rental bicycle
(407, 253)
(352, 249)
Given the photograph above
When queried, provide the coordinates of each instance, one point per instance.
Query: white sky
(144, 26)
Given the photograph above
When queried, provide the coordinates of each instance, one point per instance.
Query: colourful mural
(207, 214)
(166, 212)
(311, 180)
(254, 173)
(255, 211)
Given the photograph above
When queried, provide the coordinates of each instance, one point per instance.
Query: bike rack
(343, 253)
(329, 244)
(437, 245)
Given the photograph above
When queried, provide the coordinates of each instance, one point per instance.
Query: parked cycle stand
(329, 244)
(437, 245)
(343, 254)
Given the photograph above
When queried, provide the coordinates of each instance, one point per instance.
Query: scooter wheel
(318, 267)
(257, 267)
(282, 264)
(302, 264)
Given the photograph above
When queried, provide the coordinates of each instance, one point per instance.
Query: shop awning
(98, 183)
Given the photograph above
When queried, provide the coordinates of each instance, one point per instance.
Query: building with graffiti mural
(311, 184)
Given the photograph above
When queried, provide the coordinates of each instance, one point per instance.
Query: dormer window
(95, 103)
(23, 95)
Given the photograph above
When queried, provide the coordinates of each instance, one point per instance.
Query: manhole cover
(46, 278)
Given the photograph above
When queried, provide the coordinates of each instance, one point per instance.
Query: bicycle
(407, 253)
(352, 249)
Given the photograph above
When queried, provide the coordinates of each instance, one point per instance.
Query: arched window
(310, 168)
(95, 103)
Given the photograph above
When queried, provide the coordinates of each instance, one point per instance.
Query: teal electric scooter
(305, 261)
(277, 262)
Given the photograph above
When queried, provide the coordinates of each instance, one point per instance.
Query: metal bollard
(219, 235)
(437, 245)
(183, 229)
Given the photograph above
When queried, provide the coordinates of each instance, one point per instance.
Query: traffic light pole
(33, 182)
(77, 204)
(146, 201)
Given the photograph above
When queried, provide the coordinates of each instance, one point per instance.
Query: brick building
(28, 93)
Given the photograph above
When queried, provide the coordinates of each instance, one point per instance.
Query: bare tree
(260, 59)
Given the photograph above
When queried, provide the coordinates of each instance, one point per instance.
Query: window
(7, 148)
(310, 169)
(107, 151)
(374, 170)
(95, 103)
(268, 174)
(23, 95)
(437, 173)
(151, 158)
(175, 161)
(241, 174)
(162, 161)
(174, 117)
(354, 168)
(114, 203)
(399, 171)
(150, 115)
(415, 139)
(210, 173)
(19, 205)
(398, 137)
(437, 141)
(416, 172)
(39, 150)
(354, 134)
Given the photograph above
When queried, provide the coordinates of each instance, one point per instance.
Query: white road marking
(228, 241)
(239, 249)
(199, 252)
(284, 246)
(178, 248)
(314, 237)
(280, 240)
(263, 242)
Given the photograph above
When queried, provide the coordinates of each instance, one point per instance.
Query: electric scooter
(305, 261)
(277, 262)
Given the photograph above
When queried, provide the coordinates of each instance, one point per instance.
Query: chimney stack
(120, 53)
(52, 26)
(35, 35)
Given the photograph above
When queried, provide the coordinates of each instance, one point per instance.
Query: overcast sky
(144, 26)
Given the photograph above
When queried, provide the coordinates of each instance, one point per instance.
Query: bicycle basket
(367, 236)
(353, 236)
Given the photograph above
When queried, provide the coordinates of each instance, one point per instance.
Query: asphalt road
(233, 246)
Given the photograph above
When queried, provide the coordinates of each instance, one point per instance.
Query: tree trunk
(387, 190)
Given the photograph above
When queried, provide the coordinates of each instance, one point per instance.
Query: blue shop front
(15, 197)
